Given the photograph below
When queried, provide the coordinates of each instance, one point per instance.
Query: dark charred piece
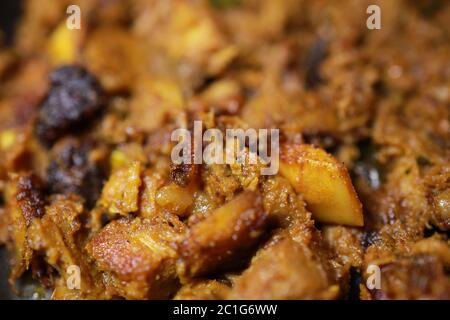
(74, 98)
(367, 167)
(355, 280)
(322, 139)
(315, 58)
(70, 171)
(369, 238)
(30, 197)
(182, 174)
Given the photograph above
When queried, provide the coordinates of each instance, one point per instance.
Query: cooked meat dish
(94, 207)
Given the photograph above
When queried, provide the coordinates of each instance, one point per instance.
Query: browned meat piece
(138, 257)
(414, 270)
(219, 182)
(345, 253)
(225, 236)
(284, 269)
(57, 236)
(282, 203)
(420, 276)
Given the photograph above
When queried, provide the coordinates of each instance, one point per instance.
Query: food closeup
(93, 206)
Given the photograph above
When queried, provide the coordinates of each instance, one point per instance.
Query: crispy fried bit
(120, 193)
(324, 183)
(284, 269)
(56, 235)
(219, 182)
(345, 251)
(74, 97)
(30, 197)
(182, 174)
(151, 182)
(138, 256)
(71, 171)
(226, 235)
(175, 199)
(25, 203)
(282, 203)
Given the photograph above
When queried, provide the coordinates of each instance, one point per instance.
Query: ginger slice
(324, 183)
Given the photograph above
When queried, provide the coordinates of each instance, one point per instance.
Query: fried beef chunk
(224, 237)
(138, 257)
(284, 269)
(420, 276)
(364, 162)
(75, 96)
(57, 239)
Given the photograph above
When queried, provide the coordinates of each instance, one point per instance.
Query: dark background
(9, 13)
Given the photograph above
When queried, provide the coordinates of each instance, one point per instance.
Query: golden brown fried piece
(420, 276)
(225, 236)
(120, 193)
(57, 234)
(138, 256)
